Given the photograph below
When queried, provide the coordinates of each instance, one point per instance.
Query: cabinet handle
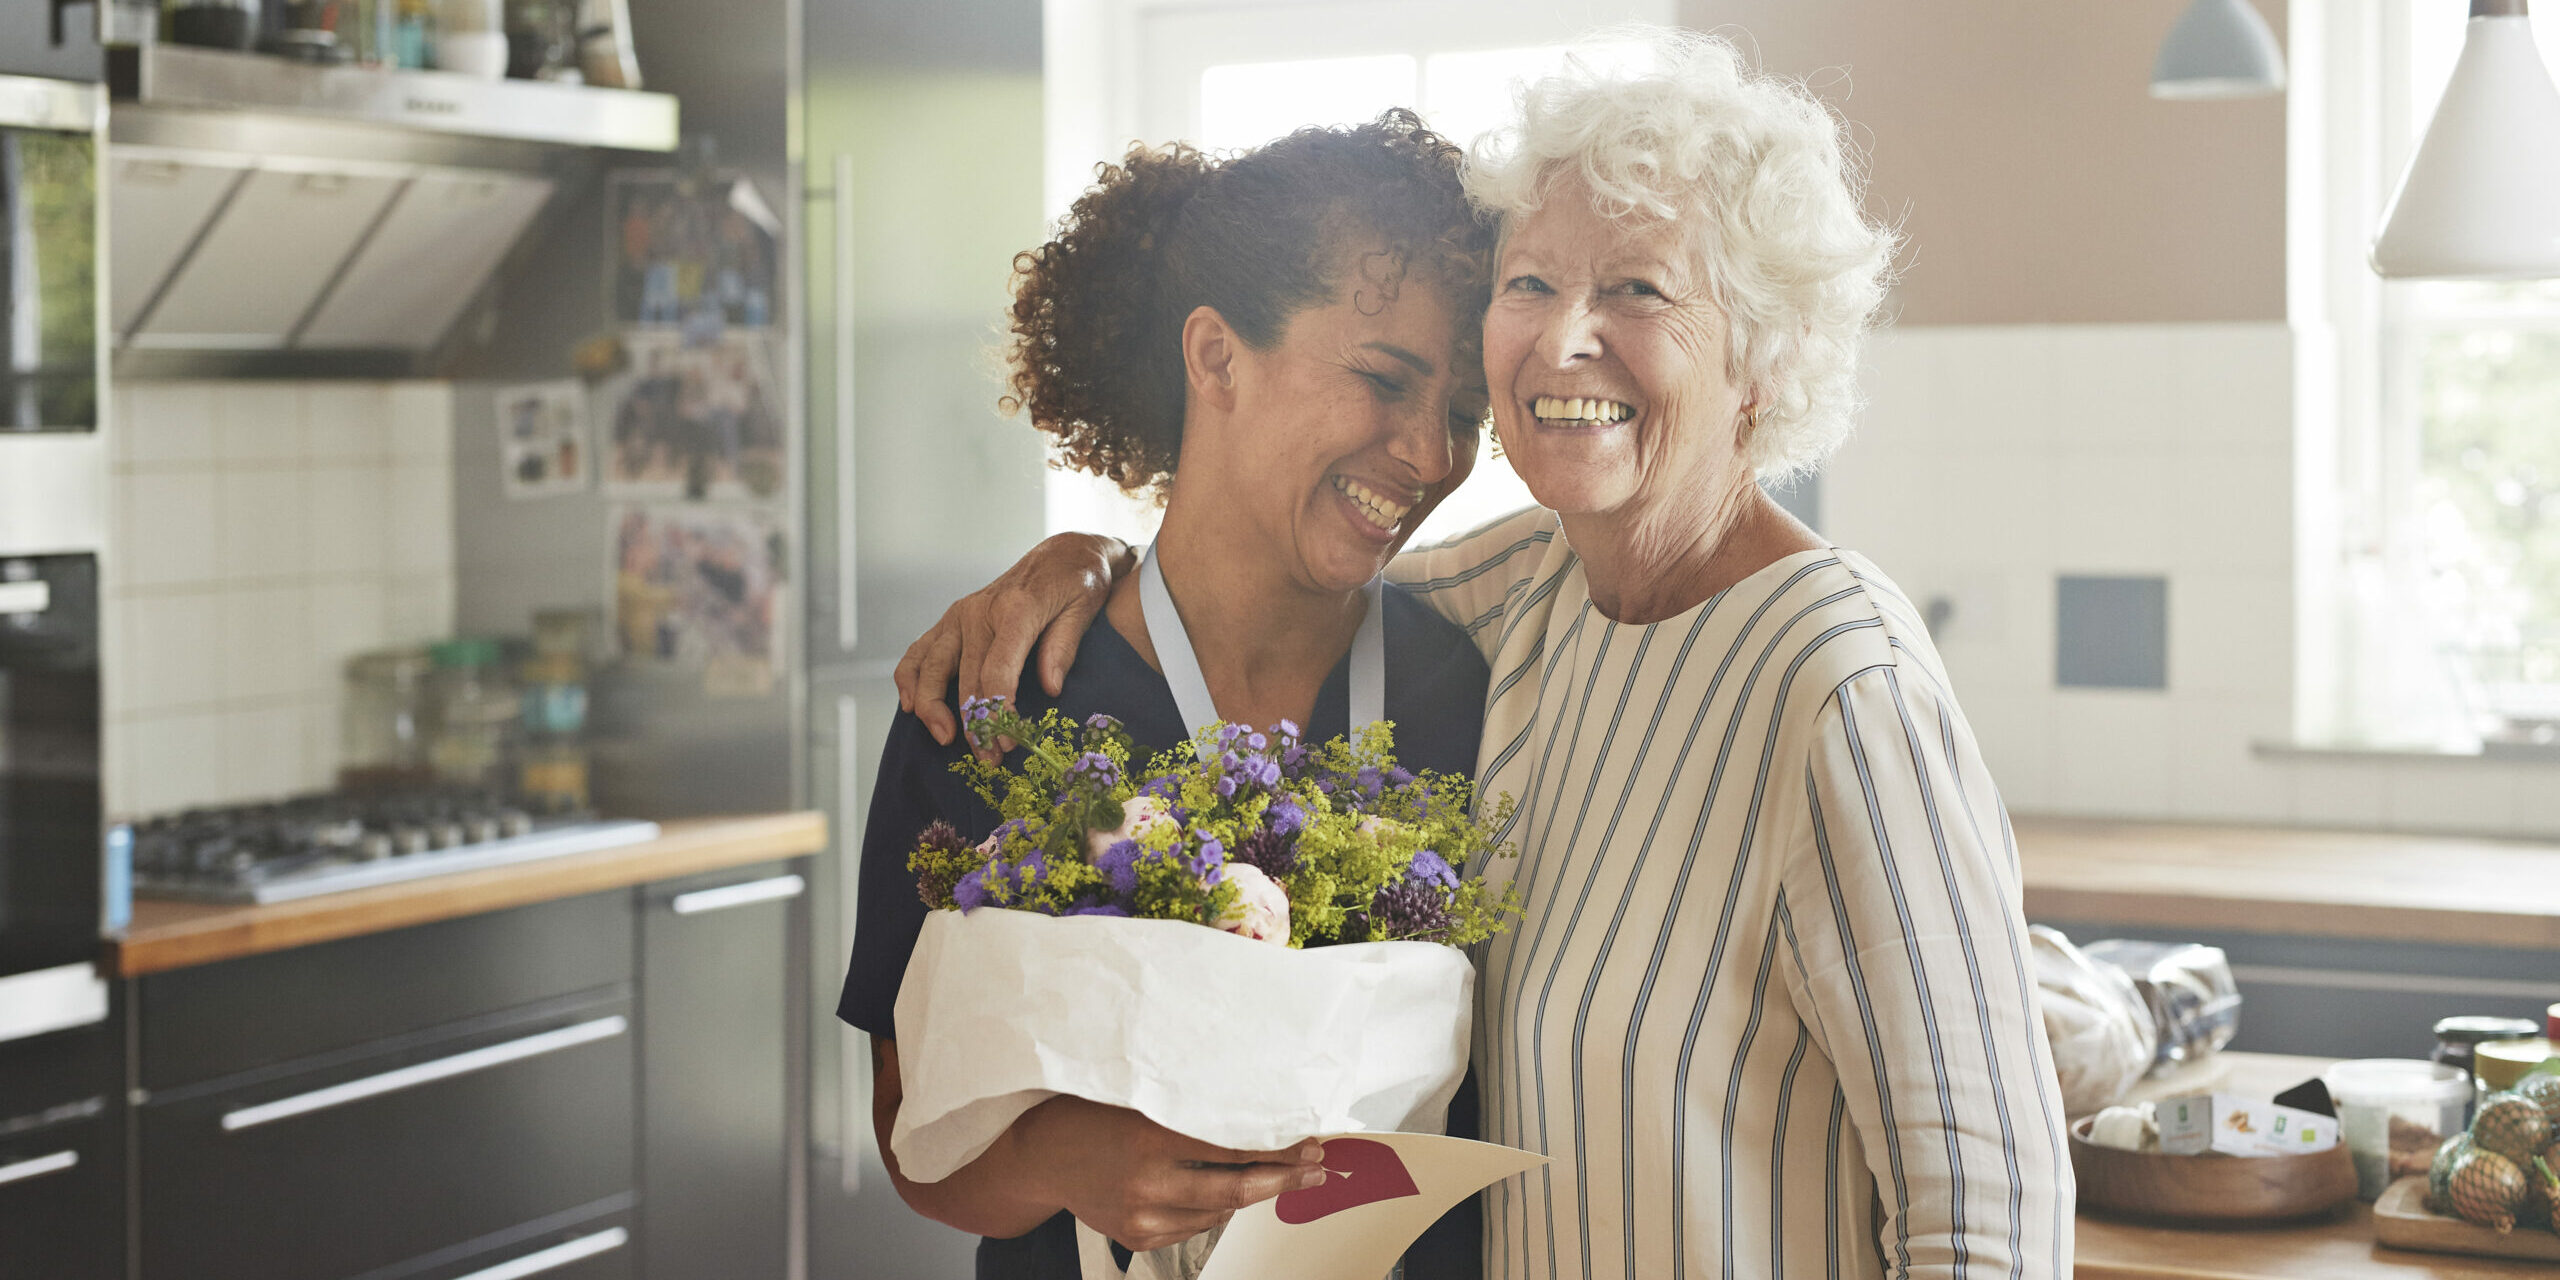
(38, 1167)
(848, 604)
(428, 1072)
(558, 1255)
(26, 597)
(737, 895)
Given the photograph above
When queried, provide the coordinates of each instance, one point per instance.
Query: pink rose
(1139, 815)
(1261, 909)
(1373, 825)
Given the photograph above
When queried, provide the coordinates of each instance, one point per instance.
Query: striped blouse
(1770, 1009)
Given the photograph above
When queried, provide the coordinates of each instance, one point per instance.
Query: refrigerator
(920, 171)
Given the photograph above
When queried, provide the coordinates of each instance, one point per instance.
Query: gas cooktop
(328, 843)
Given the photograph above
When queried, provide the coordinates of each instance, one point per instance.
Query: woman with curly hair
(1284, 346)
(1769, 1011)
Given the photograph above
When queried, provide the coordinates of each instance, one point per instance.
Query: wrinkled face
(1351, 427)
(1605, 353)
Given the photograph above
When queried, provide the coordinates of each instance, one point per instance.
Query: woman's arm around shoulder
(1900, 906)
(1471, 579)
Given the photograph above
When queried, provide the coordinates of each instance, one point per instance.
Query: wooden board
(2402, 1220)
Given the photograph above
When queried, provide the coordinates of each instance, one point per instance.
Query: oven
(52, 526)
(51, 812)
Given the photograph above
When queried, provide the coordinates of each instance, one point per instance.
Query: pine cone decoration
(2510, 1125)
(2487, 1189)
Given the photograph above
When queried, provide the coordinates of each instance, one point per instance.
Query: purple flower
(1284, 817)
(970, 891)
(1431, 869)
(1408, 910)
(1101, 723)
(1212, 856)
(1398, 776)
(1274, 853)
(1120, 862)
(1256, 741)
(1096, 769)
(1225, 787)
(1288, 728)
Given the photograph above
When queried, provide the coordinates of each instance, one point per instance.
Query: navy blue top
(1435, 698)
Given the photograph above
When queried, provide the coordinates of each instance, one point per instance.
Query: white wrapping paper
(1234, 1042)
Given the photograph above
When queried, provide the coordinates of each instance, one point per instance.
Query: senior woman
(1769, 1009)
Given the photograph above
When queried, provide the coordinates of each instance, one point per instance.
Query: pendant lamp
(2219, 49)
(2481, 199)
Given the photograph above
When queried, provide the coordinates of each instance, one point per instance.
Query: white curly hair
(1760, 175)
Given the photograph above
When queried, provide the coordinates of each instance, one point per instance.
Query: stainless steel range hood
(270, 216)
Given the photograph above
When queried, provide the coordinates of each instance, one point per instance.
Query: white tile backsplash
(262, 524)
(258, 421)
(267, 531)
(179, 426)
(167, 528)
(1989, 458)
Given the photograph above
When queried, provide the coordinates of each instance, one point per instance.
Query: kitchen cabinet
(454, 1144)
(393, 1100)
(717, 1107)
(601, 1085)
(62, 1155)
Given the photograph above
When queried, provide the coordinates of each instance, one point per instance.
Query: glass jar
(2458, 1040)
(383, 727)
(475, 713)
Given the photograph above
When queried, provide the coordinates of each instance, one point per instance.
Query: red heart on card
(1357, 1172)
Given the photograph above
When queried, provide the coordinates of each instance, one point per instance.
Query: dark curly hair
(1259, 235)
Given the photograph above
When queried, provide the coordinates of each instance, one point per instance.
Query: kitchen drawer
(62, 1203)
(338, 1172)
(259, 1011)
(58, 1073)
(595, 1242)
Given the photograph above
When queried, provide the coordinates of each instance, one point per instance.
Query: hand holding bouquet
(1068, 955)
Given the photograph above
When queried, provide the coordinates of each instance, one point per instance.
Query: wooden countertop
(172, 935)
(2337, 1247)
(2448, 889)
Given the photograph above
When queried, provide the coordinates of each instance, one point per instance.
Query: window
(1235, 75)
(2439, 568)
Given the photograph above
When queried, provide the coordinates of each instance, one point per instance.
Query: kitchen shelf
(173, 76)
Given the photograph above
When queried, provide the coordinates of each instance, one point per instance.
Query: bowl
(2209, 1188)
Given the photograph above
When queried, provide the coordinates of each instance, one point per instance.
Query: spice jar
(2458, 1039)
(383, 726)
(2503, 1062)
(475, 713)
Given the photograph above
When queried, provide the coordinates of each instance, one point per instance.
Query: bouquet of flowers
(1326, 995)
(1254, 833)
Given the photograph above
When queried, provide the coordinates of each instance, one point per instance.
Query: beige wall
(2037, 180)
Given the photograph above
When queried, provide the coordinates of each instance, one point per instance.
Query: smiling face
(1347, 430)
(1605, 352)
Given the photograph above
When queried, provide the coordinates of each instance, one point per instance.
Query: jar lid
(2503, 1062)
(2475, 1029)
(466, 652)
(2393, 1081)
